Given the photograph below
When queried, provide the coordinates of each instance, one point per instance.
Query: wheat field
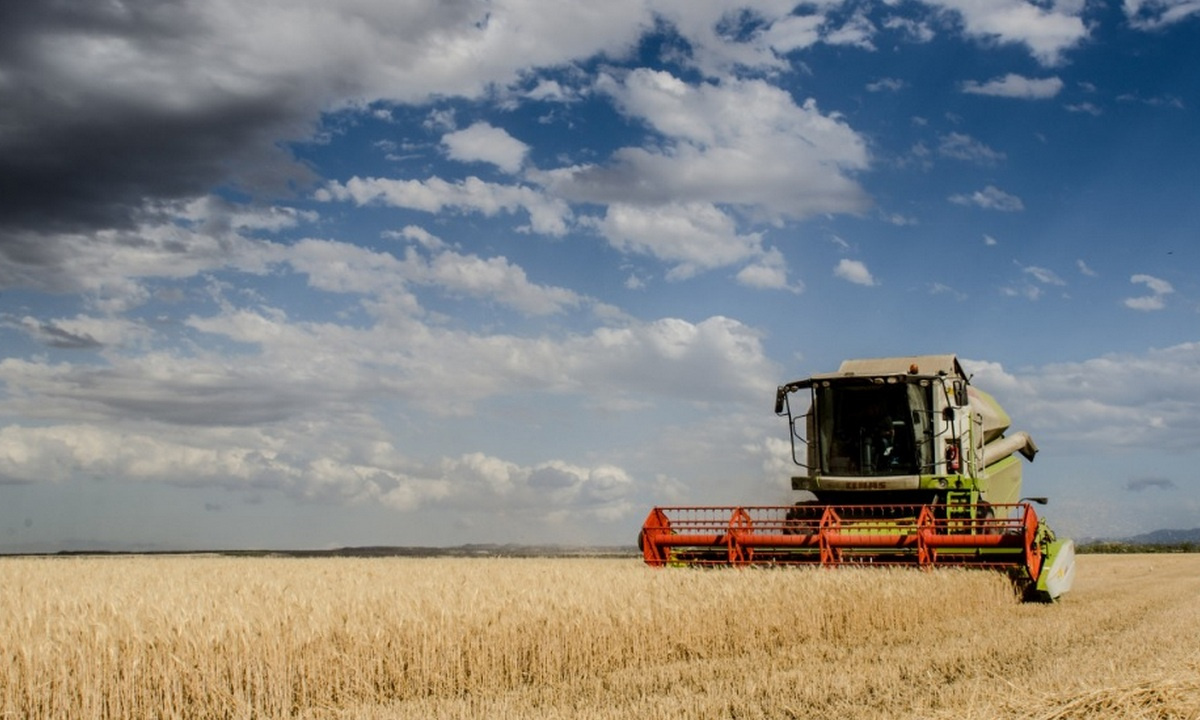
(383, 638)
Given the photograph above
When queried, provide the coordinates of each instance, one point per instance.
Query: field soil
(383, 638)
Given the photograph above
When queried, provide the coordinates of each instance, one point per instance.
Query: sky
(298, 274)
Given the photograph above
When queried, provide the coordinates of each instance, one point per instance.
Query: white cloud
(887, 85)
(1027, 291)
(1048, 32)
(990, 198)
(964, 147)
(1016, 86)
(419, 235)
(547, 215)
(496, 278)
(367, 51)
(1148, 401)
(723, 38)
(917, 31)
(483, 142)
(372, 471)
(794, 32)
(1157, 14)
(551, 91)
(694, 236)
(347, 268)
(81, 331)
(854, 271)
(1156, 300)
(715, 34)
(1146, 303)
(857, 31)
(1156, 285)
(768, 272)
(105, 266)
(302, 407)
(743, 143)
(290, 371)
(210, 213)
(1043, 275)
(1085, 107)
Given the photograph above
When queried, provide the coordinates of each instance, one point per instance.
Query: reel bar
(976, 535)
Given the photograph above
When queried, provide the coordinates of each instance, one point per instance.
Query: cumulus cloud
(742, 143)
(722, 39)
(273, 460)
(107, 266)
(483, 142)
(1016, 86)
(1156, 300)
(1146, 401)
(854, 271)
(347, 268)
(296, 409)
(692, 236)
(769, 272)
(1047, 31)
(794, 32)
(295, 374)
(547, 215)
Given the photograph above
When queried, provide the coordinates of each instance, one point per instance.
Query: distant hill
(1156, 541)
(1165, 537)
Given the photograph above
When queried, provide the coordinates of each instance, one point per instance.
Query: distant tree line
(1121, 548)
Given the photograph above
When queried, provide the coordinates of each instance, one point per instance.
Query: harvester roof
(925, 364)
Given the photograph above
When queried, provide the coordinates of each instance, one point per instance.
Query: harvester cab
(903, 431)
(905, 462)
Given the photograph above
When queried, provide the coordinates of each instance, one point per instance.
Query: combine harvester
(908, 464)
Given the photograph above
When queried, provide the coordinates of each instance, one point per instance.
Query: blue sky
(311, 275)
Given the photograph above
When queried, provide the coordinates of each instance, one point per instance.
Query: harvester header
(904, 463)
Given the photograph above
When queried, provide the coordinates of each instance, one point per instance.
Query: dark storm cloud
(51, 334)
(83, 149)
(1141, 484)
(56, 337)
